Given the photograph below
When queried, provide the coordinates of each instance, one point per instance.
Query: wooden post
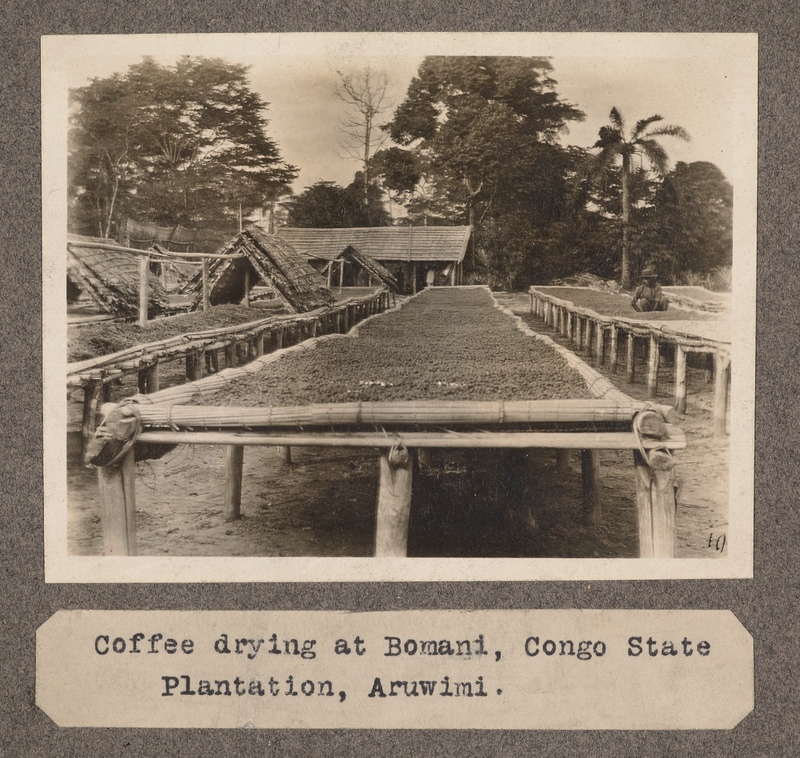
(680, 379)
(118, 506)
(153, 378)
(588, 335)
(590, 486)
(709, 368)
(259, 345)
(144, 270)
(285, 453)
(91, 392)
(212, 361)
(414, 279)
(234, 460)
(341, 273)
(141, 381)
(231, 355)
(578, 332)
(194, 366)
(721, 375)
(653, 360)
(631, 358)
(655, 502)
(247, 286)
(206, 287)
(569, 327)
(330, 273)
(613, 350)
(394, 502)
(601, 346)
(563, 461)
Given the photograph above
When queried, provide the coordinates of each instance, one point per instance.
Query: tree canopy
(327, 205)
(181, 144)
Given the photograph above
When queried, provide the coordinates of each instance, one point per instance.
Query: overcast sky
(689, 83)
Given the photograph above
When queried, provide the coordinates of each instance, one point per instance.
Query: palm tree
(613, 144)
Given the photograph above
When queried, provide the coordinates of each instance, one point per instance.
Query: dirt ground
(466, 503)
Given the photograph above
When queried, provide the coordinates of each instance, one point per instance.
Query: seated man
(648, 296)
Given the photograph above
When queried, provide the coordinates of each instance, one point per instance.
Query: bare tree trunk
(626, 263)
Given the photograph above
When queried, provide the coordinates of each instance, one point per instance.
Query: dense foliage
(326, 205)
(184, 144)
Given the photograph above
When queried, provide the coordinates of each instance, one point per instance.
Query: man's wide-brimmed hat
(648, 273)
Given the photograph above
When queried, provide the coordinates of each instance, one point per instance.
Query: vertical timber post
(601, 346)
(569, 327)
(206, 288)
(118, 503)
(144, 270)
(285, 454)
(590, 486)
(631, 358)
(655, 501)
(722, 365)
(613, 349)
(578, 332)
(680, 379)
(234, 461)
(652, 366)
(394, 502)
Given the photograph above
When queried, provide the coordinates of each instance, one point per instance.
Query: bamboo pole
(233, 481)
(144, 270)
(394, 503)
(655, 501)
(118, 506)
(590, 486)
(721, 376)
(631, 358)
(613, 350)
(680, 379)
(206, 288)
(653, 361)
(563, 461)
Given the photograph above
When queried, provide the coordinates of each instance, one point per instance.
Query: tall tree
(615, 145)
(326, 205)
(484, 128)
(364, 94)
(174, 144)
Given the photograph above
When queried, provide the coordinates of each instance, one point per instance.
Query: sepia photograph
(347, 307)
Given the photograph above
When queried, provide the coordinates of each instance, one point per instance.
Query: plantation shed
(110, 277)
(361, 271)
(413, 254)
(256, 256)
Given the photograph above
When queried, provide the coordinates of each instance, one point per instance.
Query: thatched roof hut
(110, 277)
(374, 269)
(266, 259)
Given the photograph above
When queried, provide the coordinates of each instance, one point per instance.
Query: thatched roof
(370, 265)
(444, 244)
(270, 260)
(111, 277)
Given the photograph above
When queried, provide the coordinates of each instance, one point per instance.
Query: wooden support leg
(194, 366)
(613, 350)
(260, 345)
(578, 332)
(680, 379)
(589, 327)
(631, 358)
(590, 481)
(91, 394)
(231, 355)
(655, 501)
(721, 376)
(118, 506)
(563, 461)
(652, 366)
(285, 453)
(141, 381)
(233, 481)
(601, 343)
(569, 334)
(709, 368)
(153, 378)
(394, 503)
